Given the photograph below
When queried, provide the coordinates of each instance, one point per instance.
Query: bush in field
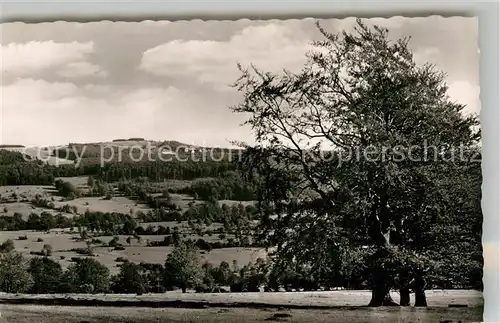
(83, 273)
(183, 267)
(66, 189)
(46, 275)
(121, 259)
(222, 275)
(7, 246)
(114, 242)
(208, 284)
(47, 250)
(14, 275)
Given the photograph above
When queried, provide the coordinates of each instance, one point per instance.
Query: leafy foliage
(86, 275)
(340, 160)
(130, 279)
(46, 274)
(14, 276)
(183, 267)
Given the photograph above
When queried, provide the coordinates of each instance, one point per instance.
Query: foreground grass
(336, 306)
(58, 314)
(300, 300)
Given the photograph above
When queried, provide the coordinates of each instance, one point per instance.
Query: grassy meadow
(63, 240)
(335, 306)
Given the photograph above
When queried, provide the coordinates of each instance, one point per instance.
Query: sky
(91, 82)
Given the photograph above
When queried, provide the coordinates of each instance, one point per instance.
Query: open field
(337, 306)
(26, 191)
(62, 241)
(78, 181)
(321, 299)
(118, 204)
(60, 314)
(183, 200)
(25, 208)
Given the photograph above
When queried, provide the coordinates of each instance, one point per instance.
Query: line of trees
(18, 170)
(228, 186)
(183, 269)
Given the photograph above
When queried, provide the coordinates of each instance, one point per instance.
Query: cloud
(466, 93)
(270, 47)
(348, 24)
(81, 69)
(57, 86)
(21, 59)
(37, 112)
(426, 55)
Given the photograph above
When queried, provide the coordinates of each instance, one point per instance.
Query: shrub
(47, 250)
(113, 242)
(84, 251)
(7, 246)
(121, 259)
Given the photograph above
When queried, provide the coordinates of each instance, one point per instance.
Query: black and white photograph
(283, 170)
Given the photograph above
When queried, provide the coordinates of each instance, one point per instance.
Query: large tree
(354, 151)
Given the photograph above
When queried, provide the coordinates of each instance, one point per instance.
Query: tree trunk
(183, 289)
(381, 297)
(381, 280)
(380, 234)
(420, 299)
(404, 288)
(381, 289)
(404, 293)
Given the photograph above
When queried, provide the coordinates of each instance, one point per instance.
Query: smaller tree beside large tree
(130, 279)
(86, 276)
(183, 267)
(46, 274)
